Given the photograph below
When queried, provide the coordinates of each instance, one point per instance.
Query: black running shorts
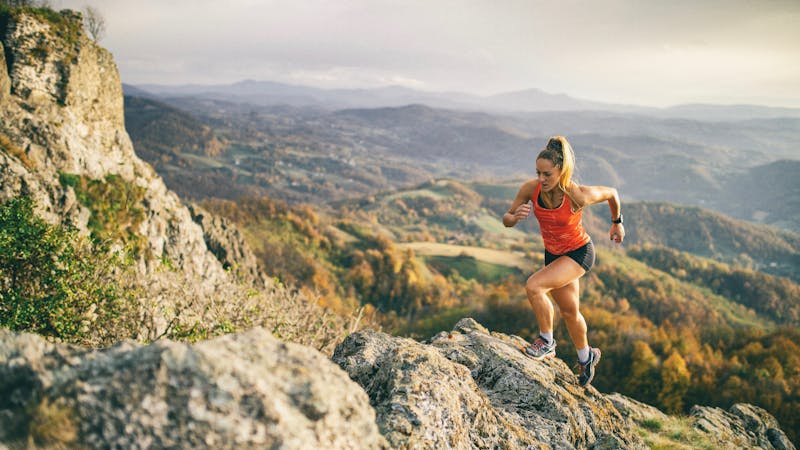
(584, 256)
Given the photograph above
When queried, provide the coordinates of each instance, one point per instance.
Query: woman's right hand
(522, 212)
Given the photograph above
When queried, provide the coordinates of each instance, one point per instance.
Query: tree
(95, 23)
(675, 378)
(644, 381)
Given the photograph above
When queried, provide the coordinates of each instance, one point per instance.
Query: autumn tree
(675, 378)
(644, 380)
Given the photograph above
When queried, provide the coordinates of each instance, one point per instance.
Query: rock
(5, 82)
(634, 410)
(742, 426)
(238, 391)
(228, 244)
(474, 389)
(61, 111)
(469, 388)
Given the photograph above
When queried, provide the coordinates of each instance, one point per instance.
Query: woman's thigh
(558, 274)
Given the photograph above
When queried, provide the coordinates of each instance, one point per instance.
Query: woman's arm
(589, 195)
(520, 209)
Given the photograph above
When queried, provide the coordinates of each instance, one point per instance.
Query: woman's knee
(534, 288)
(570, 315)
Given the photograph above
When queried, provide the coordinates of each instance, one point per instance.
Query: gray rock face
(475, 389)
(742, 426)
(468, 389)
(239, 391)
(5, 82)
(634, 410)
(61, 108)
(228, 244)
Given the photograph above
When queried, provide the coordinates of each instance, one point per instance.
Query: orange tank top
(562, 230)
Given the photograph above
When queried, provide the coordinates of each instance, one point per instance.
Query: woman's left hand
(617, 233)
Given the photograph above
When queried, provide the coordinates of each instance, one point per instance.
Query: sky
(645, 52)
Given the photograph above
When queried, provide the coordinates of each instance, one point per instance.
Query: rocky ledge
(467, 388)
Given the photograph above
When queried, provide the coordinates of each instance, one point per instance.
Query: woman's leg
(567, 299)
(559, 274)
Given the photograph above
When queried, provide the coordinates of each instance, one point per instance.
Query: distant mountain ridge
(266, 93)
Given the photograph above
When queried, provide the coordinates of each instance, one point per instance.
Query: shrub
(54, 282)
(182, 309)
(116, 207)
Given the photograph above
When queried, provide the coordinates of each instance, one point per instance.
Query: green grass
(493, 224)
(496, 257)
(470, 268)
(674, 433)
(411, 194)
(502, 191)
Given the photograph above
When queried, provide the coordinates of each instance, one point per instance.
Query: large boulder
(238, 391)
(742, 426)
(474, 389)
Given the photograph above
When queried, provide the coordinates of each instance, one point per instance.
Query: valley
(396, 210)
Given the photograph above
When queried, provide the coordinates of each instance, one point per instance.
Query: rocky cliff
(61, 112)
(467, 388)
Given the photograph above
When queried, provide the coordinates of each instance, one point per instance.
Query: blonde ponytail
(559, 152)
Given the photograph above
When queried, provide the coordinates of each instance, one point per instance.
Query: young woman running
(569, 253)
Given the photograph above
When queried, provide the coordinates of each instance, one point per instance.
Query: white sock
(583, 355)
(547, 337)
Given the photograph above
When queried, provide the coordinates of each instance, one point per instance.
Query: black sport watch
(618, 220)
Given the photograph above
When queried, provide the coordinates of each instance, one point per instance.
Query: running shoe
(587, 369)
(540, 349)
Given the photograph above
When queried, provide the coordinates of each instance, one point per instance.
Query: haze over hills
(316, 154)
(266, 93)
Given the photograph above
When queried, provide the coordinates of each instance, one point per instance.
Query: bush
(58, 284)
(116, 207)
(182, 309)
(54, 282)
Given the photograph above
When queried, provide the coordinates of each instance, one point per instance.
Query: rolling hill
(314, 155)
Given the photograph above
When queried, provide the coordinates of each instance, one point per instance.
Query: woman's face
(547, 173)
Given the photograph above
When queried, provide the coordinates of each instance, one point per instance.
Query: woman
(569, 253)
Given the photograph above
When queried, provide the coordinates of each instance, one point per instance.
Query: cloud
(639, 51)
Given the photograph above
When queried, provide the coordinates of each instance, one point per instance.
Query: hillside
(713, 235)
(314, 155)
(424, 257)
(767, 194)
(282, 152)
(162, 129)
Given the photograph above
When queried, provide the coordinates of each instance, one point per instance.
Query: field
(503, 258)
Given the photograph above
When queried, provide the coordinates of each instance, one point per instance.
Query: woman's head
(559, 153)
